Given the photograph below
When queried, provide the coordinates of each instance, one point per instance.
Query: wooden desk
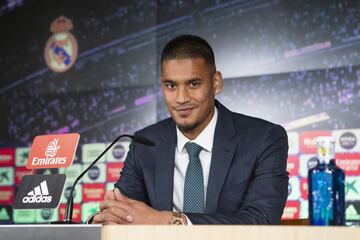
(218, 232)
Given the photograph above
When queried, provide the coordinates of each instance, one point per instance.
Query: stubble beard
(187, 128)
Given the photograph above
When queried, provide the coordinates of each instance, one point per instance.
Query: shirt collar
(205, 138)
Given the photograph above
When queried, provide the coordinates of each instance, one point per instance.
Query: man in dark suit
(209, 165)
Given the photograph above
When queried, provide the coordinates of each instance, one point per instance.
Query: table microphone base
(64, 222)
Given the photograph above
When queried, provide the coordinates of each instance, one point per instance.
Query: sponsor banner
(93, 192)
(304, 188)
(77, 194)
(308, 140)
(45, 171)
(24, 216)
(20, 172)
(91, 151)
(96, 173)
(77, 156)
(6, 214)
(294, 189)
(349, 162)
(72, 172)
(6, 176)
(307, 161)
(109, 187)
(118, 152)
(352, 188)
(76, 217)
(46, 215)
(352, 213)
(53, 151)
(293, 165)
(39, 191)
(347, 140)
(21, 156)
(7, 156)
(291, 210)
(304, 209)
(293, 141)
(113, 171)
(7, 195)
(88, 209)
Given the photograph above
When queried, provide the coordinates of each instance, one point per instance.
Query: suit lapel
(165, 161)
(222, 156)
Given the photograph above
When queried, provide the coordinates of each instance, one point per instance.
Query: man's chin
(187, 127)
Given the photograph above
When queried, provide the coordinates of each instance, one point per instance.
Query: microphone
(70, 199)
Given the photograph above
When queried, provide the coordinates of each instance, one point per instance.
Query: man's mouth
(184, 111)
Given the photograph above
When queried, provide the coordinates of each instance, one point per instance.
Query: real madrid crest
(61, 49)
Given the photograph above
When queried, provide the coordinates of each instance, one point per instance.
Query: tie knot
(193, 149)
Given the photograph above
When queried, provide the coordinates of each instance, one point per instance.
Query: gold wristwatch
(177, 219)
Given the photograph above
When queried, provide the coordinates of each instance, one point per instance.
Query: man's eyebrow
(167, 81)
(194, 80)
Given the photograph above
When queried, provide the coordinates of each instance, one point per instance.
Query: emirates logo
(52, 148)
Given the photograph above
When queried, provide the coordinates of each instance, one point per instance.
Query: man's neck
(191, 135)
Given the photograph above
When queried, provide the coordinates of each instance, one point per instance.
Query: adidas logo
(40, 194)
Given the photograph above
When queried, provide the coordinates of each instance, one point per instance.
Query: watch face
(177, 221)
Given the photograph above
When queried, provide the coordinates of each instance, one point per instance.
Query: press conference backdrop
(295, 63)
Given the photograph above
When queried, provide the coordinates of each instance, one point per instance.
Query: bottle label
(322, 191)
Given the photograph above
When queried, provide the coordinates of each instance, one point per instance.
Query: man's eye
(170, 85)
(194, 84)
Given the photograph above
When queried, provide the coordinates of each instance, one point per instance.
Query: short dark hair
(188, 46)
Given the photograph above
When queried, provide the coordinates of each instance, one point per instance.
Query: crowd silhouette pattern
(281, 61)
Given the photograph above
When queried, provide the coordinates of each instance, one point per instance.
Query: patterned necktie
(194, 181)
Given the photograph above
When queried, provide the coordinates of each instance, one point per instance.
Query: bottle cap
(325, 148)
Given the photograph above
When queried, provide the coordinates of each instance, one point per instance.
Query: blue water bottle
(326, 187)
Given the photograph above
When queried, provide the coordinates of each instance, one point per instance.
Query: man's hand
(119, 209)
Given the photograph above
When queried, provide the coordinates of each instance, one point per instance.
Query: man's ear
(218, 82)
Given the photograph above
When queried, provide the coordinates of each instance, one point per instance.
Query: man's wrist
(165, 217)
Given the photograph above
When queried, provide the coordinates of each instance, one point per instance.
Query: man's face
(189, 86)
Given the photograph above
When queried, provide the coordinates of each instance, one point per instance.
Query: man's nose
(182, 95)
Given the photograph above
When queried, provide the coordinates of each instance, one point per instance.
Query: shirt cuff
(188, 220)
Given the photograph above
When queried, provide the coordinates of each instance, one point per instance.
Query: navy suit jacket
(248, 182)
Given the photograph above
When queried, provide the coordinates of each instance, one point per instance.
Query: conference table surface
(150, 232)
(225, 232)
